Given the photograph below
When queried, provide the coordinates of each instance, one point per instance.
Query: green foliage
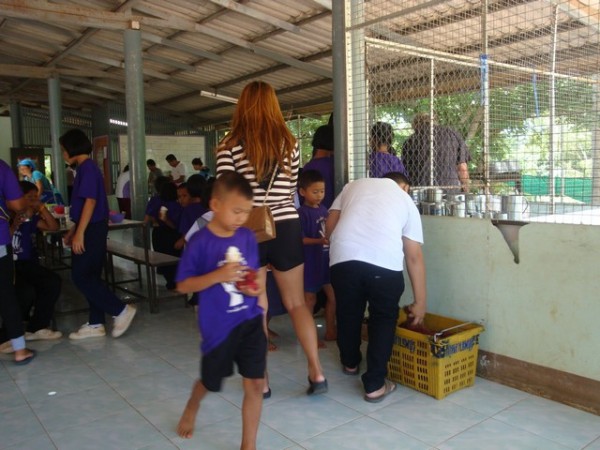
(304, 128)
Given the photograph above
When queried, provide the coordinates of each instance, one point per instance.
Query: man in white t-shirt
(178, 169)
(373, 225)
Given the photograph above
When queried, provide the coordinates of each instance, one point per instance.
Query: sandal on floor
(349, 371)
(27, 360)
(316, 387)
(389, 387)
(267, 394)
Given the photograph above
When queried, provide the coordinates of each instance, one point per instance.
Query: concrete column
(55, 106)
(16, 124)
(357, 96)
(136, 129)
(340, 121)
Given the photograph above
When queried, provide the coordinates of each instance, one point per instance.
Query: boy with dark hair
(316, 247)
(322, 160)
(195, 186)
(216, 263)
(401, 179)
(29, 272)
(202, 170)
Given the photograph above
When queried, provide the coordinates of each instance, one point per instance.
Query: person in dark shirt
(450, 155)
(28, 272)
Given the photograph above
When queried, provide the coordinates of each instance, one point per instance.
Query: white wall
(185, 148)
(544, 310)
(5, 139)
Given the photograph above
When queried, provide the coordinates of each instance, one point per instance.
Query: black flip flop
(389, 388)
(267, 394)
(316, 387)
(27, 360)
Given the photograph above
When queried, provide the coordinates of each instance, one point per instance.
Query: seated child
(316, 247)
(194, 208)
(154, 203)
(165, 234)
(28, 271)
(214, 263)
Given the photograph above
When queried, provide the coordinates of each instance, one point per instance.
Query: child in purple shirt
(89, 211)
(11, 199)
(29, 273)
(316, 247)
(214, 263)
(194, 209)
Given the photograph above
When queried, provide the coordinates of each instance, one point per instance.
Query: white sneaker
(86, 332)
(44, 334)
(123, 320)
(6, 348)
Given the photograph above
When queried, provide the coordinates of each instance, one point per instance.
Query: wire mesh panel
(490, 106)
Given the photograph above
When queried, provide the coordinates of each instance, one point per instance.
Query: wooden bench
(140, 256)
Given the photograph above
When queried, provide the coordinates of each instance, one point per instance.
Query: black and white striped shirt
(281, 195)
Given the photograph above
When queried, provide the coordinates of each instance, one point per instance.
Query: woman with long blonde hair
(261, 147)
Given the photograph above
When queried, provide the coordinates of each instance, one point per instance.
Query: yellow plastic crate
(439, 366)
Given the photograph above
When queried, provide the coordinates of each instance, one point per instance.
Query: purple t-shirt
(316, 257)
(9, 190)
(325, 167)
(382, 163)
(221, 307)
(153, 206)
(22, 240)
(89, 184)
(189, 215)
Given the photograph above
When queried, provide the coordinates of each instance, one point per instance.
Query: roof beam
(24, 71)
(253, 75)
(73, 45)
(251, 12)
(169, 62)
(324, 3)
(83, 90)
(248, 45)
(575, 9)
(155, 39)
(121, 65)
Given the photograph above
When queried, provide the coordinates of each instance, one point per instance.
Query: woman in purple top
(11, 198)
(89, 211)
(383, 159)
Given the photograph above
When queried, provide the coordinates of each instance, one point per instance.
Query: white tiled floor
(128, 393)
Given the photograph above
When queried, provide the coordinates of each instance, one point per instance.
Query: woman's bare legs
(310, 298)
(263, 301)
(330, 325)
(291, 288)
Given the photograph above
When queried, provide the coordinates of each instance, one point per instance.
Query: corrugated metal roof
(193, 45)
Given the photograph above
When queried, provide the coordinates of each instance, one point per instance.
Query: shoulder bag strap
(270, 185)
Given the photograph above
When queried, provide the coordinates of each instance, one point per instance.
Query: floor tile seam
(317, 434)
(28, 405)
(537, 434)
(380, 423)
(437, 444)
(293, 441)
(481, 413)
(104, 416)
(597, 438)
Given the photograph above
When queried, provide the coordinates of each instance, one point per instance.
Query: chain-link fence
(490, 107)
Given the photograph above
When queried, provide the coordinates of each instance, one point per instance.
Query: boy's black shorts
(246, 345)
(285, 251)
